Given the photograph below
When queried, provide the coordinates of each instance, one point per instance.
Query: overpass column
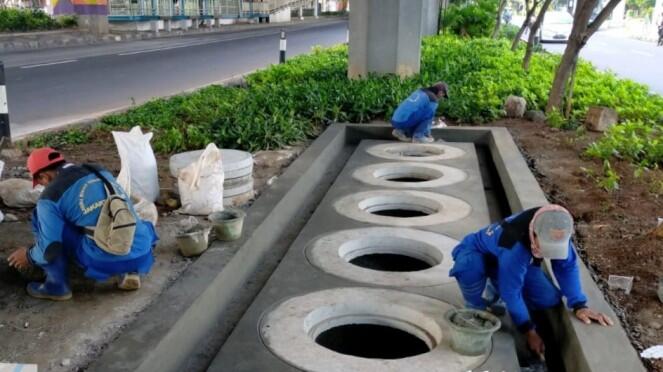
(315, 8)
(430, 15)
(385, 37)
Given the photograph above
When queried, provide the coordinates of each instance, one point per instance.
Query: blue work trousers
(473, 270)
(415, 129)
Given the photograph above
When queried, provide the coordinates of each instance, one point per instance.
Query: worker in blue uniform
(508, 256)
(413, 119)
(71, 203)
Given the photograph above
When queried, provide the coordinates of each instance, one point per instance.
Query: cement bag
(138, 175)
(201, 184)
(19, 193)
(146, 210)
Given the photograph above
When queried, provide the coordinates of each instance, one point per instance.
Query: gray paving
(295, 276)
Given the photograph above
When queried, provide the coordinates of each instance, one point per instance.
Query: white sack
(138, 175)
(201, 184)
(146, 211)
(19, 193)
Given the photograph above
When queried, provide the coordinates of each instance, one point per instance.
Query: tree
(582, 30)
(529, 12)
(498, 19)
(533, 32)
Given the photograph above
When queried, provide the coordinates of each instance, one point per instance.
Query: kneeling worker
(81, 210)
(413, 118)
(509, 254)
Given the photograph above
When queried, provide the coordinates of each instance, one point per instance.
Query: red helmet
(41, 159)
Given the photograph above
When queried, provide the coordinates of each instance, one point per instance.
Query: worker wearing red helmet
(70, 204)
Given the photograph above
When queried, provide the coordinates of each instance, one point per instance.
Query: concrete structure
(385, 37)
(430, 17)
(198, 313)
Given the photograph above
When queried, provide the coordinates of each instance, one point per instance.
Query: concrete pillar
(315, 9)
(385, 37)
(430, 16)
(154, 26)
(167, 25)
(301, 13)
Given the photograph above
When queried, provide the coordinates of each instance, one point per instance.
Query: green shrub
(67, 21)
(638, 142)
(475, 19)
(508, 31)
(25, 20)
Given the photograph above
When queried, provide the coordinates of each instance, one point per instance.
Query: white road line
(50, 64)
(179, 46)
(646, 54)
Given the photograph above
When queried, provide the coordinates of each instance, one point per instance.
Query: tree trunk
(532, 34)
(498, 20)
(569, 89)
(528, 14)
(580, 34)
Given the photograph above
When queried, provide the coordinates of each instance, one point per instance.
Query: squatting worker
(509, 254)
(72, 201)
(413, 118)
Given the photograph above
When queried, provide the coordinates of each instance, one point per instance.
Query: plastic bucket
(228, 224)
(193, 243)
(471, 330)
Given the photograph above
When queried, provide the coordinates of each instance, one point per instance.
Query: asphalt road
(52, 88)
(637, 60)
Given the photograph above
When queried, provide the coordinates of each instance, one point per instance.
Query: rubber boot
(56, 286)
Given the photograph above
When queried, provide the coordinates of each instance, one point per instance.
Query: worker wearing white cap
(508, 255)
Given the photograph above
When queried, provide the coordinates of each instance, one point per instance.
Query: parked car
(556, 27)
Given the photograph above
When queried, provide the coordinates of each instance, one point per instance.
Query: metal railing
(197, 8)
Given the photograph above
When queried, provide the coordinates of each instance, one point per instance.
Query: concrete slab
(295, 276)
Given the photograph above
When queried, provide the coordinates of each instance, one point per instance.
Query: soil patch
(613, 229)
(68, 335)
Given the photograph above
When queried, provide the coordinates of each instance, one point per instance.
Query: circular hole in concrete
(409, 175)
(362, 329)
(372, 341)
(391, 256)
(402, 207)
(393, 206)
(390, 262)
(415, 152)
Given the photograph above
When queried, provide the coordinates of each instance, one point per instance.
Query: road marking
(642, 53)
(179, 46)
(49, 64)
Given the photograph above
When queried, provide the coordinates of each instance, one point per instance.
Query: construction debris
(624, 283)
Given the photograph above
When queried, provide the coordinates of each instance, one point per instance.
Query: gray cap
(553, 229)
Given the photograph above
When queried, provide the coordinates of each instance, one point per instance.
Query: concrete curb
(14, 42)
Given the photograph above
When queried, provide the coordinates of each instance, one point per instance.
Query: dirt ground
(64, 336)
(613, 230)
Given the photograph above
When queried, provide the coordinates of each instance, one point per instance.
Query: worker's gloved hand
(19, 259)
(587, 315)
(535, 343)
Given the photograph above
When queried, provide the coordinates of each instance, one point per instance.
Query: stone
(10, 218)
(515, 107)
(11, 154)
(536, 116)
(273, 159)
(599, 119)
(660, 289)
(655, 325)
(65, 362)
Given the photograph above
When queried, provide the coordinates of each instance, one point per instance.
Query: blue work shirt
(73, 201)
(416, 108)
(512, 257)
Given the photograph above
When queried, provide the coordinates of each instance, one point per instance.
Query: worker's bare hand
(535, 343)
(19, 259)
(587, 315)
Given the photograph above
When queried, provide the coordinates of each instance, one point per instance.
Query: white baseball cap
(553, 226)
